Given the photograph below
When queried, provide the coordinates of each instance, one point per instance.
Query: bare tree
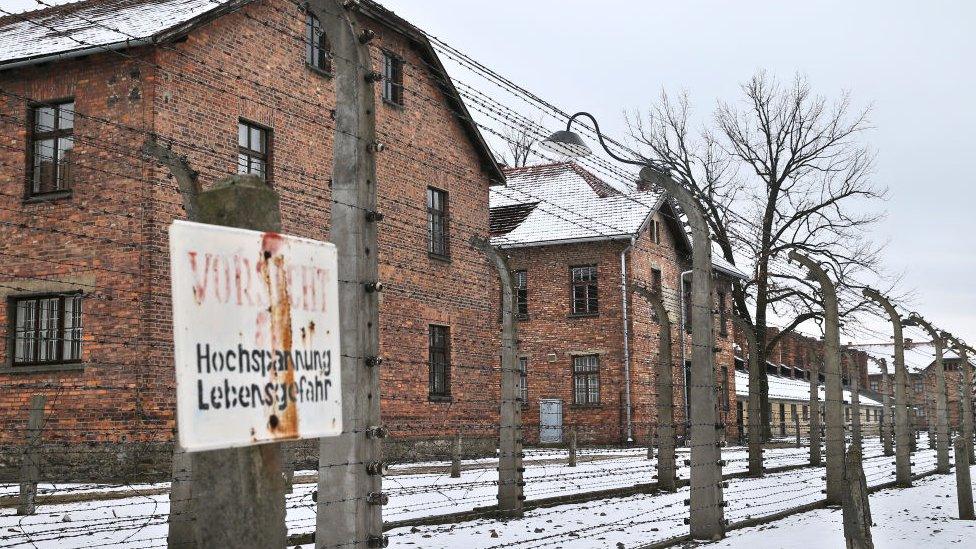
(517, 146)
(781, 170)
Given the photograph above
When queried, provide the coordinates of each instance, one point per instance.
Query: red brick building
(588, 344)
(234, 87)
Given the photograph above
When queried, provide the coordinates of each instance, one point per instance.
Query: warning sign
(256, 337)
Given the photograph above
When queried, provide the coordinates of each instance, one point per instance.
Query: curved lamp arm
(599, 137)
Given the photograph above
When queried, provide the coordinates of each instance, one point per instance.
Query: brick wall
(109, 237)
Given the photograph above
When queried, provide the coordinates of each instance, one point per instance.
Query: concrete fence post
(856, 435)
(815, 439)
(666, 470)
(707, 518)
(857, 508)
(834, 402)
(30, 468)
(903, 467)
(887, 426)
(966, 398)
(753, 406)
(941, 405)
(572, 447)
(964, 486)
(456, 456)
(510, 483)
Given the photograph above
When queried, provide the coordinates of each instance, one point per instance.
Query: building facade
(233, 88)
(588, 342)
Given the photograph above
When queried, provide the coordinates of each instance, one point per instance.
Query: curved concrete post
(941, 405)
(753, 405)
(903, 466)
(887, 427)
(856, 438)
(834, 400)
(666, 471)
(510, 481)
(707, 509)
(815, 440)
(350, 498)
(966, 389)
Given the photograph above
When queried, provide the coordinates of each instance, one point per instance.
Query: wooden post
(815, 439)
(510, 483)
(707, 519)
(964, 486)
(753, 405)
(572, 446)
(456, 457)
(666, 470)
(835, 392)
(903, 467)
(796, 426)
(350, 496)
(857, 508)
(30, 468)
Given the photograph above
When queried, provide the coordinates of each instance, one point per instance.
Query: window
(437, 241)
(392, 79)
(521, 294)
(584, 292)
(655, 229)
(51, 143)
(656, 281)
(439, 361)
(917, 385)
(523, 382)
(686, 292)
(47, 329)
(874, 385)
(318, 51)
(253, 150)
(722, 316)
(586, 380)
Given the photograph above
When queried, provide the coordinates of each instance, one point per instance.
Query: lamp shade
(566, 143)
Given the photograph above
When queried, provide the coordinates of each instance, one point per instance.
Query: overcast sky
(913, 61)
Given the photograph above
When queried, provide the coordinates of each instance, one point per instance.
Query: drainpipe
(623, 297)
(684, 343)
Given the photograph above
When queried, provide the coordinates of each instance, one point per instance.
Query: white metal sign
(256, 336)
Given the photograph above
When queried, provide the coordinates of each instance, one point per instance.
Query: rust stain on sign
(283, 424)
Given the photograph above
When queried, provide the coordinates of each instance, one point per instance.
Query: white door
(550, 421)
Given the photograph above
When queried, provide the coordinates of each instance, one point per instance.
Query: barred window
(392, 79)
(254, 150)
(318, 51)
(586, 379)
(51, 144)
(521, 294)
(523, 382)
(437, 228)
(584, 292)
(47, 329)
(439, 361)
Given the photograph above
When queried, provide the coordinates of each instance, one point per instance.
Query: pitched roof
(93, 26)
(783, 388)
(561, 203)
(918, 355)
(80, 27)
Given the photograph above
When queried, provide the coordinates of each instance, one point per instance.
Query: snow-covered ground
(419, 490)
(925, 515)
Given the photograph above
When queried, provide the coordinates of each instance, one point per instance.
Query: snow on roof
(918, 355)
(720, 264)
(562, 202)
(781, 388)
(93, 24)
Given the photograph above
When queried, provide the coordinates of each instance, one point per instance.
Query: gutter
(623, 299)
(78, 53)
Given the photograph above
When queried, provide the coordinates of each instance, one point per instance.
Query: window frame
(393, 83)
(432, 372)
(32, 136)
(59, 363)
(593, 283)
(443, 214)
(315, 50)
(268, 135)
(589, 376)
